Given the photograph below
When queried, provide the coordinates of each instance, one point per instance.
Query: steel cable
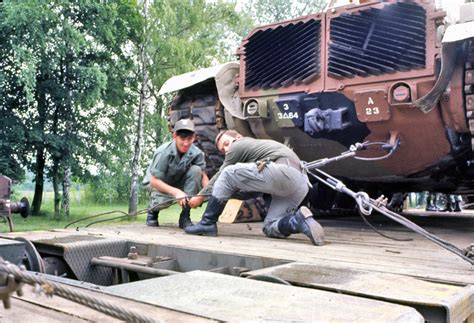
(50, 288)
(156, 207)
(366, 144)
(365, 200)
(363, 216)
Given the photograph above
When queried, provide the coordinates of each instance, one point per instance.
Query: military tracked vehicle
(396, 73)
(388, 72)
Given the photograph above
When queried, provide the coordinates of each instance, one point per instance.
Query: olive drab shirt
(168, 166)
(250, 150)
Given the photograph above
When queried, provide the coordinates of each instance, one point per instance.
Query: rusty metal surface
(5, 187)
(5, 191)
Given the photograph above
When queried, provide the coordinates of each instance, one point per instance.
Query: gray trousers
(287, 186)
(190, 183)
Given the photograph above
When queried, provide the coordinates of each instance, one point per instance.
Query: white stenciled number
(287, 115)
(286, 106)
(371, 111)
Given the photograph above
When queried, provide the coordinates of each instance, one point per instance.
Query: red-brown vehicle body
(383, 71)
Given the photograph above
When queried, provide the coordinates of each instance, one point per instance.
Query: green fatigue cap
(184, 124)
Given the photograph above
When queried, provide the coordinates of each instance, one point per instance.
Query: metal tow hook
(469, 251)
(8, 285)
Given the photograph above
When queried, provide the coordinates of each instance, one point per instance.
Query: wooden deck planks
(351, 244)
(358, 249)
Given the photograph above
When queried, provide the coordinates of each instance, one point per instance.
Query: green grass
(46, 221)
(80, 209)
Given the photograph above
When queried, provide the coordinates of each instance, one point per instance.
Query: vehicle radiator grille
(283, 56)
(377, 41)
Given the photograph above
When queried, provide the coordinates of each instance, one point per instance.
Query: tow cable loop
(391, 148)
(363, 203)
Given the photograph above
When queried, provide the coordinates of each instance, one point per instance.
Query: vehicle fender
(227, 89)
(457, 32)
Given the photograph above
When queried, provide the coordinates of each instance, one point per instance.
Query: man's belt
(289, 162)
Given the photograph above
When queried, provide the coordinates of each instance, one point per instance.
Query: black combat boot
(185, 217)
(431, 202)
(152, 219)
(302, 222)
(455, 203)
(457, 206)
(451, 204)
(207, 226)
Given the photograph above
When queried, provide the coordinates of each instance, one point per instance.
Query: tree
(61, 55)
(180, 36)
(121, 98)
(143, 63)
(11, 148)
(269, 11)
(12, 132)
(70, 84)
(22, 43)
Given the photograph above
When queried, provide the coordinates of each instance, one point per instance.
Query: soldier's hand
(195, 201)
(181, 198)
(261, 164)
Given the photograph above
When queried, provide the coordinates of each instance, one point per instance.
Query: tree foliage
(268, 11)
(70, 82)
(183, 36)
(59, 56)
